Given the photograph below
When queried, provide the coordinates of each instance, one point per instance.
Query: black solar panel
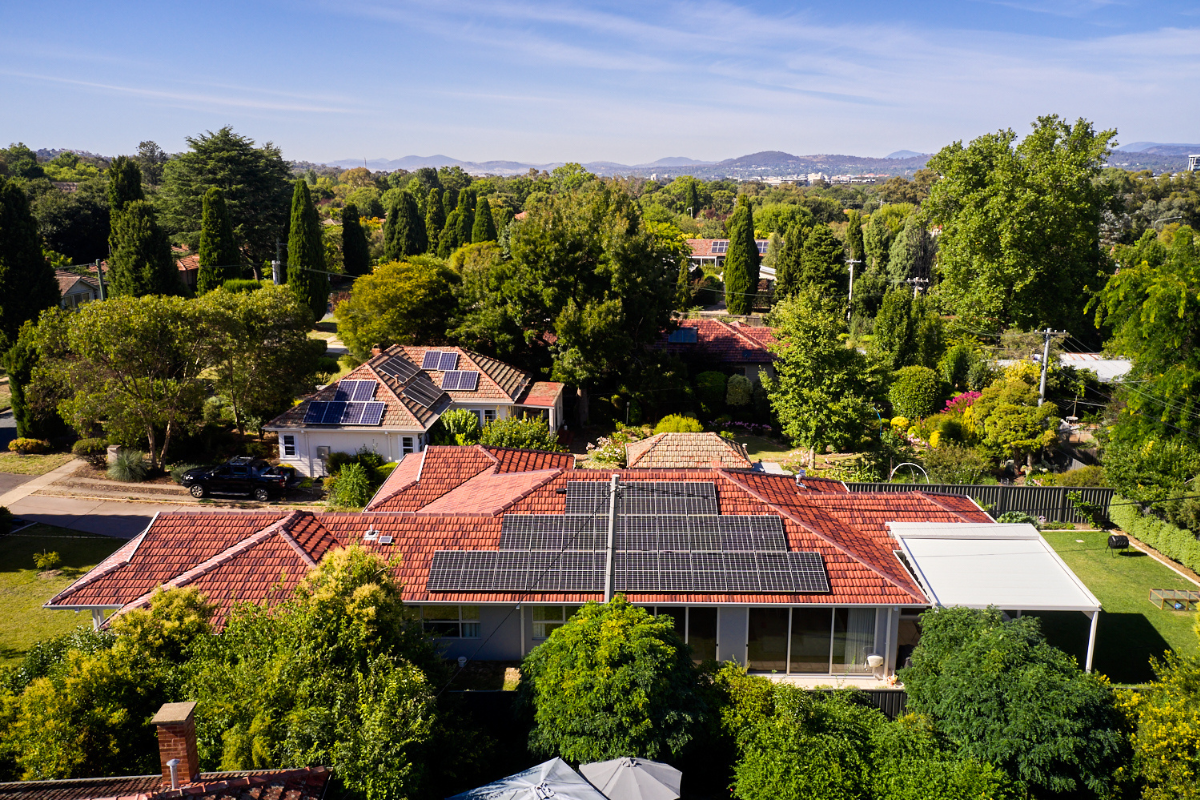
(683, 336)
(431, 360)
(373, 413)
(448, 361)
(460, 380)
(398, 367)
(333, 413)
(575, 571)
(316, 410)
(344, 413)
(353, 414)
(644, 497)
(363, 392)
(423, 391)
(668, 532)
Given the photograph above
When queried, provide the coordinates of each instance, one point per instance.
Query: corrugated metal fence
(1040, 501)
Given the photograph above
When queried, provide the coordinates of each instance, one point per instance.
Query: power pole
(1045, 365)
(276, 267)
(100, 277)
(918, 289)
(610, 564)
(850, 310)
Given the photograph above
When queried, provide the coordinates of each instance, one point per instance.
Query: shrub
(1018, 518)
(26, 447)
(93, 451)
(47, 559)
(128, 467)
(711, 391)
(900, 423)
(178, 470)
(238, 285)
(351, 488)
(1151, 469)
(1177, 544)
(915, 392)
(613, 681)
(370, 461)
(1167, 739)
(337, 460)
(955, 463)
(739, 392)
(457, 426)
(531, 433)
(678, 423)
(1081, 476)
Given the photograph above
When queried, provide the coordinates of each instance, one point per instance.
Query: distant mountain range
(1154, 156)
(765, 164)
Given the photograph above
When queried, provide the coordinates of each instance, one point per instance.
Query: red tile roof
(703, 248)
(722, 342)
(454, 498)
(543, 394)
(686, 450)
(497, 382)
(296, 784)
(67, 280)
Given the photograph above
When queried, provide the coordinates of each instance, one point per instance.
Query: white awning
(977, 565)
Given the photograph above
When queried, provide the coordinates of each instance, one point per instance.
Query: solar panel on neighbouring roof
(683, 336)
(460, 380)
(353, 414)
(333, 413)
(398, 367)
(363, 392)
(423, 391)
(316, 410)
(448, 360)
(432, 357)
(669, 532)
(373, 413)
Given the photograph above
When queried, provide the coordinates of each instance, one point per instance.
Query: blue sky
(626, 82)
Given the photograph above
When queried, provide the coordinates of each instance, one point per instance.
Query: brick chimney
(177, 742)
(376, 350)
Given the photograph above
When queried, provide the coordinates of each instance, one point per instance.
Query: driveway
(8, 430)
(9, 481)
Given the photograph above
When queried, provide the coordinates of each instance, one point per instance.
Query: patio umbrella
(634, 779)
(551, 780)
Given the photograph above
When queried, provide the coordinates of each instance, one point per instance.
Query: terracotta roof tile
(295, 784)
(686, 450)
(543, 394)
(721, 342)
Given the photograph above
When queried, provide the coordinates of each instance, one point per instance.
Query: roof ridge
(931, 497)
(495, 461)
(286, 535)
(650, 441)
(741, 335)
(526, 378)
(236, 549)
(839, 546)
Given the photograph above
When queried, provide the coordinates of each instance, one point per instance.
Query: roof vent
(371, 535)
(385, 540)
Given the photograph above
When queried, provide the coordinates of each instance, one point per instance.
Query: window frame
(288, 443)
(463, 626)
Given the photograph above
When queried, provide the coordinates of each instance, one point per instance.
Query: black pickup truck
(244, 476)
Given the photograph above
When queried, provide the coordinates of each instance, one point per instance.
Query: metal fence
(1040, 501)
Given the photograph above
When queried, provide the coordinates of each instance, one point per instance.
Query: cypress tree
(404, 230)
(854, 240)
(741, 261)
(20, 361)
(356, 251)
(822, 261)
(466, 216)
(124, 184)
(435, 218)
(219, 255)
(306, 253)
(484, 229)
(787, 268)
(693, 198)
(448, 239)
(27, 284)
(449, 201)
(141, 261)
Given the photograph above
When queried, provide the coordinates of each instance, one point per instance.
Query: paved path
(108, 518)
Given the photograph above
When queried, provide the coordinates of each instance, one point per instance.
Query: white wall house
(389, 404)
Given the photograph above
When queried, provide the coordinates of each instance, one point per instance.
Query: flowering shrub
(960, 402)
(900, 423)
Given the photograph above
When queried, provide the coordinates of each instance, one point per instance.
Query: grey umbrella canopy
(550, 780)
(634, 779)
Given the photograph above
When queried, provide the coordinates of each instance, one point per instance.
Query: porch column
(97, 618)
(1092, 641)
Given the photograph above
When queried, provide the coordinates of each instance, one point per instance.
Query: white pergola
(976, 565)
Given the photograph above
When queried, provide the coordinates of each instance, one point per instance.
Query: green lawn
(23, 590)
(32, 464)
(761, 449)
(1131, 629)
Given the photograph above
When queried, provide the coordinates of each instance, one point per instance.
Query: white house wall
(387, 444)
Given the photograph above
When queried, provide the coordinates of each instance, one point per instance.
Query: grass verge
(32, 464)
(762, 449)
(1131, 629)
(23, 589)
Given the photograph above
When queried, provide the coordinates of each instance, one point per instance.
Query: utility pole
(610, 564)
(850, 310)
(100, 277)
(276, 267)
(918, 289)
(1045, 365)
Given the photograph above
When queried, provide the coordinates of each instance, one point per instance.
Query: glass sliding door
(767, 640)
(702, 632)
(853, 639)
(811, 628)
(678, 615)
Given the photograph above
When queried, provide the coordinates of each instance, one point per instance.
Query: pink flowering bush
(960, 402)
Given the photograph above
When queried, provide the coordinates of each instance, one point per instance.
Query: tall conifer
(306, 253)
(823, 261)
(124, 184)
(435, 218)
(219, 256)
(484, 229)
(741, 261)
(448, 240)
(693, 198)
(27, 284)
(141, 261)
(404, 230)
(466, 216)
(787, 268)
(356, 251)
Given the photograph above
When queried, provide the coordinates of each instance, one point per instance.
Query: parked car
(243, 476)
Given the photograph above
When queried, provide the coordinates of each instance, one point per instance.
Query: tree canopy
(401, 302)
(141, 261)
(27, 284)
(741, 262)
(356, 252)
(306, 253)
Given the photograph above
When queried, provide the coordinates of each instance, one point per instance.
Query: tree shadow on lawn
(1124, 642)
(79, 552)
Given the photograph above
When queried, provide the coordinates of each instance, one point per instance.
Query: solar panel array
(643, 533)
(356, 391)
(720, 246)
(643, 497)
(460, 380)
(440, 360)
(398, 367)
(337, 412)
(423, 391)
(575, 571)
(683, 336)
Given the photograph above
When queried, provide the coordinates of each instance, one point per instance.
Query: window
(810, 640)
(489, 415)
(289, 445)
(406, 445)
(547, 619)
(853, 639)
(768, 639)
(702, 632)
(451, 622)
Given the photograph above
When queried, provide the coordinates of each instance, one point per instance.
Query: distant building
(1194, 163)
(730, 347)
(75, 290)
(713, 251)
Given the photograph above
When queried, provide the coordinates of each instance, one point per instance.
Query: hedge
(1177, 544)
